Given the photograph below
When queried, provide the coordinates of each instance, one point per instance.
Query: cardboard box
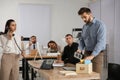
(83, 68)
(33, 53)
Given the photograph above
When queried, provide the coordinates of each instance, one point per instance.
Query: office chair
(113, 71)
(1, 33)
(76, 32)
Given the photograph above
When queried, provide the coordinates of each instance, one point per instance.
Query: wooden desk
(43, 56)
(54, 74)
(25, 68)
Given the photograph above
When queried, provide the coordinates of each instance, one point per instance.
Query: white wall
(117, 32)
(64, 14)
(8, 9)
(95, 7)
(108, 16)
(36, 20)
(65, 17)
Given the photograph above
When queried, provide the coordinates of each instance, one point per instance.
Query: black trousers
(25, 69)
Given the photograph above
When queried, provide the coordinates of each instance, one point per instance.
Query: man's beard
(34, 42)
(89, 20)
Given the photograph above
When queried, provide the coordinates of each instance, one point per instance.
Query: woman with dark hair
(9, 52)
(53, 47)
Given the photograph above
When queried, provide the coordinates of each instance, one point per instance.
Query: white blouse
(9, 46)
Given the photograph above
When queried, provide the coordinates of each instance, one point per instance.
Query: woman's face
(12, 26)
(52, 45)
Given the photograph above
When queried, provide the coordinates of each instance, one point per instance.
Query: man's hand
(78, 51)
(59, 61)
(30, 43)
(23, 54)
(90, 57)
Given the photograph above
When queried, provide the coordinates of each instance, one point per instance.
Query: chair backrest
(1, 33)
(113, 71)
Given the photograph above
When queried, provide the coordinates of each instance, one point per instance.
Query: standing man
(93, 39)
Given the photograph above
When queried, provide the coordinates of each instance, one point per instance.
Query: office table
(25, 67)
(54, 74)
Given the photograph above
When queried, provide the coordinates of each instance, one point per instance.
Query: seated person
(69, 50)
(32, 45)
(53, 47)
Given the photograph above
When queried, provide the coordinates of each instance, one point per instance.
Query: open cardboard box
(83, 68)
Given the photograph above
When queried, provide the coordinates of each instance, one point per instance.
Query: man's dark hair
(33, 36)
(68, 35)
(84, 9)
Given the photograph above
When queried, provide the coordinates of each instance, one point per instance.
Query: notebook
(70, 68)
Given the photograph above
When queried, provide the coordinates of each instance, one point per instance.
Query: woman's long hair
(55, 47)
(7, 25)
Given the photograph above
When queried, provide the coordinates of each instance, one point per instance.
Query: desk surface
(43, 56)
(54, 74)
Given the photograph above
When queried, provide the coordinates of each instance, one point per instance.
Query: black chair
(1, 33)
(113, 71)
(78, 30)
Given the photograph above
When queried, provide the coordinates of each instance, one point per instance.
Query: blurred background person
(33, 46)
(69, 50)
(53, 47)
(32, 43)
(32, 49)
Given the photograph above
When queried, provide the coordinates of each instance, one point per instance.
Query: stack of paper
(52, 54)
(70, 68)
(67, 73)
(58, 64)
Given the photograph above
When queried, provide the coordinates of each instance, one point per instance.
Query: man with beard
(32, 47)
(32, 43)
(93, 39)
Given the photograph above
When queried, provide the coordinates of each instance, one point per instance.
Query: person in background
(32, 43)
(10, 52)
(53, 47)
(93, 39)
(69, 50)
(32, 46)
